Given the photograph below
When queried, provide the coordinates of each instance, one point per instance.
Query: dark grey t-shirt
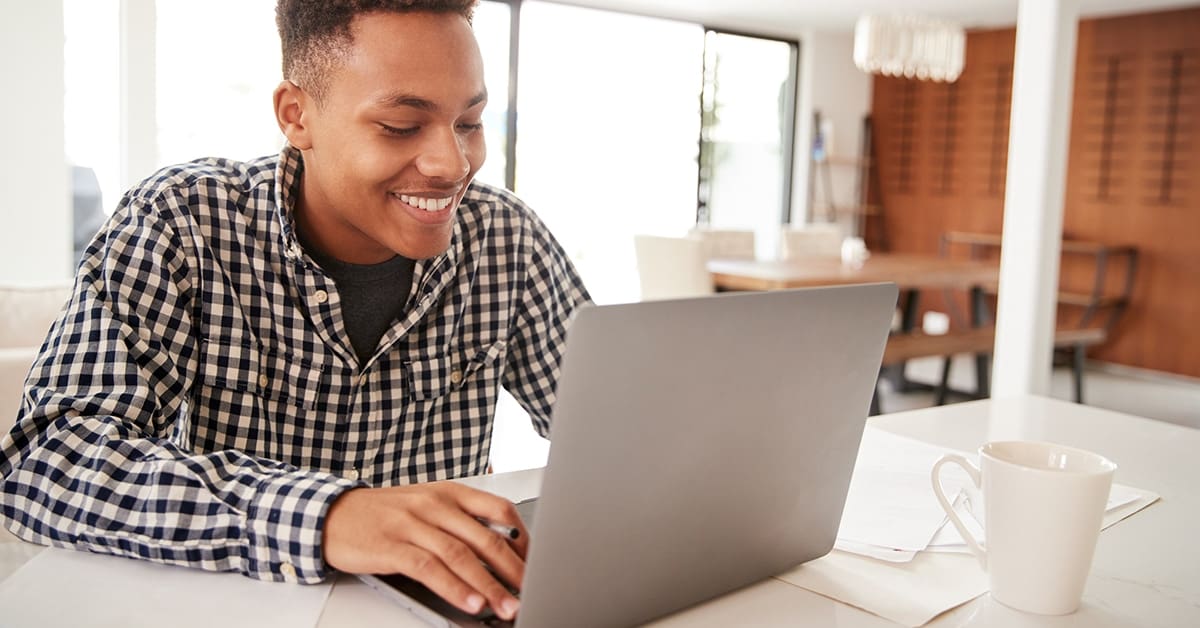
(373, 296)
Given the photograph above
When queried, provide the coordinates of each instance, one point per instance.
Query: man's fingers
(490, 508)
(463, 561)
(492, 548)
(431, 533)
(426, 568)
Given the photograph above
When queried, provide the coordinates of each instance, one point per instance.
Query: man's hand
(431, 533)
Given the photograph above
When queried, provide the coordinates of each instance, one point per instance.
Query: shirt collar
(287, 190)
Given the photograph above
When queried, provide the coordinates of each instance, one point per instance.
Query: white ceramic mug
(1044, 506)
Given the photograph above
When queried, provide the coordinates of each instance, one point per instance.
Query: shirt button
(263, 381)
(352, 475)
(288, 571)
(321, 296)
(456, 377)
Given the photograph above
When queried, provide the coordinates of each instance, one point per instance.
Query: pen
(500, 528)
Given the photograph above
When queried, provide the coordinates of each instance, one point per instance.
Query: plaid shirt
(199, 402)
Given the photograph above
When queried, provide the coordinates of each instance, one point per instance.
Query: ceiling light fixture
(909, 46)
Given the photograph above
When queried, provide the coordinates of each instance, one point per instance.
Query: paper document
(68, 588)
(890, 504)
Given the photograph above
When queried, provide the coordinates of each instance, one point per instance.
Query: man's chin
(423, 250)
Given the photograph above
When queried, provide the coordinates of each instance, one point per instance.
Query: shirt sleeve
(94, 461)
(553, 291)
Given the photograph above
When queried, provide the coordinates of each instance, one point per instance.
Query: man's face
(396, 141)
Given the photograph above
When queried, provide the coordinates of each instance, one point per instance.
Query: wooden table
(910, 272)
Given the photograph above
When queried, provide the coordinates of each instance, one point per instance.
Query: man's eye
(398, 131)
(476, 126)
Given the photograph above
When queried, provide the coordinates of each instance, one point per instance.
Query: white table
(1146, 571)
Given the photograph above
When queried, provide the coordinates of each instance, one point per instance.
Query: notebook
(698, 446)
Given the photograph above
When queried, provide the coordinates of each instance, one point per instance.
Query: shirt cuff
(284, 526)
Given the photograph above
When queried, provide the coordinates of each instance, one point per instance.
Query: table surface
(1146, 571)
(907, 271)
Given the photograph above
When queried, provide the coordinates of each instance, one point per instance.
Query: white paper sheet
(890, 504)
(909, 593)
(915, 592)
(68, 588)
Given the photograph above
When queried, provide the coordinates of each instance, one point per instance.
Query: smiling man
(269, 366)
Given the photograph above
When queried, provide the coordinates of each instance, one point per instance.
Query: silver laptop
(698, 446)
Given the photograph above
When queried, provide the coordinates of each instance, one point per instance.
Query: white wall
(831, 84)
(35, 242)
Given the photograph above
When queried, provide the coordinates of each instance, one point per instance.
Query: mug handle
(972, 471)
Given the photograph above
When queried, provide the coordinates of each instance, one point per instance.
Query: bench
(1096, 283)
(904, 347)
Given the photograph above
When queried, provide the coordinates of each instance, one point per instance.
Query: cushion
(26, 313)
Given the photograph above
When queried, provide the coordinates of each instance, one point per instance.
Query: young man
(267, 366)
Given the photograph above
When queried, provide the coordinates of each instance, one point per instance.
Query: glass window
(216, 71)
(91, 129)
(606, 142)
(745, 149)
(492, 24)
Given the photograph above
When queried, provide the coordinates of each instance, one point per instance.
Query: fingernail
(475, 602)
(511, 606)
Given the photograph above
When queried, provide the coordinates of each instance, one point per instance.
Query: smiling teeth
(427, 204)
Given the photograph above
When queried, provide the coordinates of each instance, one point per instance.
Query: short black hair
(315, 34)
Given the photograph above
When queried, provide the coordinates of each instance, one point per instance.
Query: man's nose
(444, 156)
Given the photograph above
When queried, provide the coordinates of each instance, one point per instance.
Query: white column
(35, 192)
(139, 123)
(1043, 74)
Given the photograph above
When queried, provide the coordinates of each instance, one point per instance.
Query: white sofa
(26, 314)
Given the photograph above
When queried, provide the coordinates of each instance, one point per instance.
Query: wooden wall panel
(1134, 155)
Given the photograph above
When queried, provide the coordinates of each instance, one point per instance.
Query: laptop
(698, 446)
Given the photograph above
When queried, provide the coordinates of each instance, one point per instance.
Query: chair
(671, 268)
(26, 314)
(725, 243)
(817, 240)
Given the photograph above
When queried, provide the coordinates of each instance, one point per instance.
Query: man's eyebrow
(402, 99)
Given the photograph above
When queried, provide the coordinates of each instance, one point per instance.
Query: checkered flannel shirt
(199, 402)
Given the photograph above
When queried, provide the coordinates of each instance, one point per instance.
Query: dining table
(911, 272)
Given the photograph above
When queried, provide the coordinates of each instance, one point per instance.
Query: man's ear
(291, 113)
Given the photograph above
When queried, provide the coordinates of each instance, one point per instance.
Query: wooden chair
(671, 268)
(816, 240)
(725, 243)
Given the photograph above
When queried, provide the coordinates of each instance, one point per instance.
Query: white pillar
(139, 122)
(35, 192)
(1043, 74)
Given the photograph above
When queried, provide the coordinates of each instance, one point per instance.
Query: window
(216, 70)
(608, 127)
(747, 112)
(92, 98)
(492, 25)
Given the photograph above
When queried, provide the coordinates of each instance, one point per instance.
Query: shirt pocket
(244, 367)
(433, 377)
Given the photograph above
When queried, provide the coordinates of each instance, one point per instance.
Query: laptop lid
(699, 446)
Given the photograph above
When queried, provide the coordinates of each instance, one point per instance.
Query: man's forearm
(90, 484)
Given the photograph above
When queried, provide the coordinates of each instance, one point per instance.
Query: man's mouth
(423, 203)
